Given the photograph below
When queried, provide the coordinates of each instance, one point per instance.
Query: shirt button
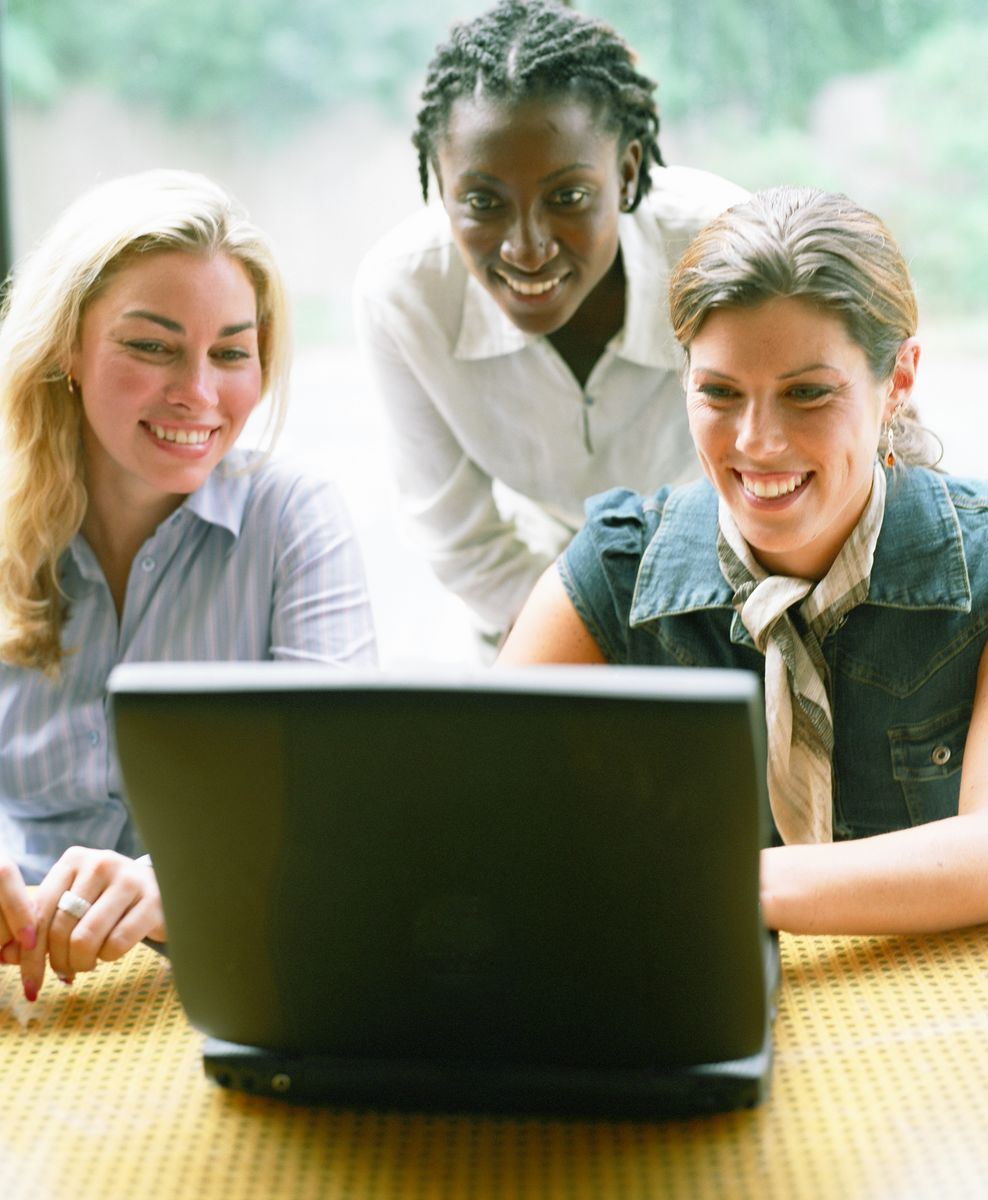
(147, 563)
(94, 738)
(941, 755)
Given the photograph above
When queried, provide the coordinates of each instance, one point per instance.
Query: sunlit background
(303, 108)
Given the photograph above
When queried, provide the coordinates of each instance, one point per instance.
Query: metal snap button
(148, 563)
(940, 755)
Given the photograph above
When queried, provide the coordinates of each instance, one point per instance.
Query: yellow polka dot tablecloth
(880, 1090)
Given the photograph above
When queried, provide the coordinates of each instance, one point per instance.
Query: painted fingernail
(30, 990)
(28, 937)
(68, 980)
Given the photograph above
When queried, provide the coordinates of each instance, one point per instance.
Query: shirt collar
(222, 499)
(485, 332)
(919, 560)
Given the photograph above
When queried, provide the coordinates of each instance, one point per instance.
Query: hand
(18, 923)
(125, 908)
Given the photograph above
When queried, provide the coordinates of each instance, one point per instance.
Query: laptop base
(495, 1088)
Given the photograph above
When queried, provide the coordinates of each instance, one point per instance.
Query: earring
(71, 384)
(627, 201)
(889, 434)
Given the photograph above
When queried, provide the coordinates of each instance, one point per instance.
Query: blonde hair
(819, 246)
(43, 497)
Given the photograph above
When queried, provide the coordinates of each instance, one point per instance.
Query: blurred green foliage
(770, 56)
(745, 83)
(269, 62)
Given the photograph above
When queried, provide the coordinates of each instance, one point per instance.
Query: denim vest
(901, 667)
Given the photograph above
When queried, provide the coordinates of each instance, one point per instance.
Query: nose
(192, 385)
(761, 432)
(529, 244)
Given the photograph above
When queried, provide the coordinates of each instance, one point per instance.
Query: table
(880, 1090)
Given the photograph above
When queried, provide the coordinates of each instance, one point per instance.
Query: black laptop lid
(552, 865)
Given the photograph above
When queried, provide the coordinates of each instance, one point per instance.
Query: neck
(583, 338)
(116, 525)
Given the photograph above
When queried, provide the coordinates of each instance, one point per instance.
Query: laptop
(509, 890)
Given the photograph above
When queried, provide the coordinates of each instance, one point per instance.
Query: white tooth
(530, 289)
(181, 437)
(774, 488)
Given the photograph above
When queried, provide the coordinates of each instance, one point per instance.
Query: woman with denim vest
(822, 551)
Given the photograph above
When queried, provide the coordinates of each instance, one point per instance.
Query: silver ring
(74, 905)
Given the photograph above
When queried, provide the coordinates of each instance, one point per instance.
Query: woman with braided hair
(823, 553)
(518, 332)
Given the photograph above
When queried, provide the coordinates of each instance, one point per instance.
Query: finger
(125, 913)
(143, 919)
(113, 884)
(33, 958)
(17, 914)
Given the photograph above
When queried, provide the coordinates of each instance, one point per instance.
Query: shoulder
(969, 496)
(619, 525)
(935, 492)
(683, 199)
(280, 495)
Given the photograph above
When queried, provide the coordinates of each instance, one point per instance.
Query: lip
(788, 491)
(185, 448)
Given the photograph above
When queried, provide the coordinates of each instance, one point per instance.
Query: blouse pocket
(927, 760)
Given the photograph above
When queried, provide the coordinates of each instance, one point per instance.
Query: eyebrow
(175, 327)
(820, 366)
(487, 178)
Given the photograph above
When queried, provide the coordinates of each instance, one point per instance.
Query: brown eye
(571, 197)
(481, 201)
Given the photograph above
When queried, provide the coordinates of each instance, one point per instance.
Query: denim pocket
(927, 760)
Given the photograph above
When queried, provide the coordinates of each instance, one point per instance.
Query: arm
(930, 877)
(320, 609)
(471, 548)
(549, 629)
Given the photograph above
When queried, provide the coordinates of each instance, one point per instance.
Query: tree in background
(742, 83)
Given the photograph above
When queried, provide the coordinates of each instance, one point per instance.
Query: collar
(485, 332)
(220, 501)
(919, 559)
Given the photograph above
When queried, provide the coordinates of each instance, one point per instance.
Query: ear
(629, 165)
(903, 377)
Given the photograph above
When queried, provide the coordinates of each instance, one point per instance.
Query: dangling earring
(627, 201)
(71, 384)
(889, 434)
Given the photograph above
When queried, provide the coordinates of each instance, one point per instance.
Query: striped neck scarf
(797, 708)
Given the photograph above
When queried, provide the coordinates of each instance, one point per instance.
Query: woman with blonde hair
(137, 340)
(823, 552)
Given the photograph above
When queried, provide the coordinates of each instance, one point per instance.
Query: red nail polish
(28, 937)
(30, 990)
(68, 980)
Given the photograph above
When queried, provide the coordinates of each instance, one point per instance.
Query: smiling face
(168, 368)
(533, 192)
(786, 417)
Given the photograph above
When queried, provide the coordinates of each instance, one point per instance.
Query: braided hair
(525, 48)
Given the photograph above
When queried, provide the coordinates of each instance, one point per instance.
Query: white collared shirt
(256, 564)
(471, 399)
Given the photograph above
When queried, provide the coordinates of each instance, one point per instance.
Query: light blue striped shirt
(257, 564)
